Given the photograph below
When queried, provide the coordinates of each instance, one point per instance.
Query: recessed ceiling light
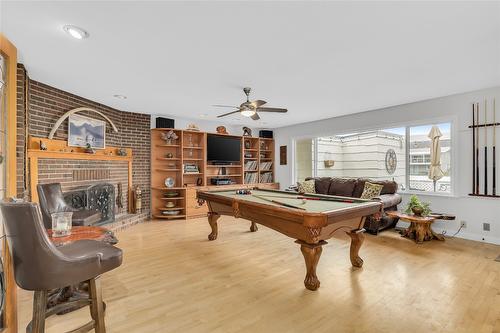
(120, 96)
(203, 115)
(76, 32)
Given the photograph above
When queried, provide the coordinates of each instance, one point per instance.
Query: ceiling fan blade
(255, 116)
(227, 114)
(258, 103)
(226, 106)
(272, 110)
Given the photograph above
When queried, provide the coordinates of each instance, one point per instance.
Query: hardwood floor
(174, 280)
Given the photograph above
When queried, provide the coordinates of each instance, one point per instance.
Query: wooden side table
(80, 291)
(420, 227)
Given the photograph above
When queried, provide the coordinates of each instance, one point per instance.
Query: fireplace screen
(98, 197)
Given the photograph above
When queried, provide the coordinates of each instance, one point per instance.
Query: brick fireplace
(40, 106)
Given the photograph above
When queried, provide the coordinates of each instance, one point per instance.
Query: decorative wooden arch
(69, 113)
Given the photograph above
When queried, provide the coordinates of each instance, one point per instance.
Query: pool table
(310, 221)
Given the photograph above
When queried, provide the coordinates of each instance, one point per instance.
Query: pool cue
(473, 148)
(485, 148)
(477, 149)
(494, 148)
(278, 202)
(310, 198)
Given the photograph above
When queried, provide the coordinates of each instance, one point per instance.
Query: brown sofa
(351, 187)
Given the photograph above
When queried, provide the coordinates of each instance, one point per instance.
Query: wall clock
(391, 161)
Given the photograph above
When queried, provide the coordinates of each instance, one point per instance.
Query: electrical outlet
(463, 224)
(486, 226)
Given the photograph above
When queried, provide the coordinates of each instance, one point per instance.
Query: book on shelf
(251, 178)
(266, 166)
(266, 177)
(251, 166)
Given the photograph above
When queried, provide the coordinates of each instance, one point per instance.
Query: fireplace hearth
(97, 197)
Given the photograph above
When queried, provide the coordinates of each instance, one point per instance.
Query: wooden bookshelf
(170, 159)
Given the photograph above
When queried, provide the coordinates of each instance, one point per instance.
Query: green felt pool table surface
(290, 198)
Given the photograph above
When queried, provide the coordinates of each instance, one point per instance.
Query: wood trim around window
(10, 52)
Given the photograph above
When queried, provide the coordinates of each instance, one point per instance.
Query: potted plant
(417, 207)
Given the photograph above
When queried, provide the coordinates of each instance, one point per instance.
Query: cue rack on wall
(484, 156)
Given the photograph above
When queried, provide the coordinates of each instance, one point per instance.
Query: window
(420, 159)
(401, 154)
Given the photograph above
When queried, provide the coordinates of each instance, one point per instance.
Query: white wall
(457, 108)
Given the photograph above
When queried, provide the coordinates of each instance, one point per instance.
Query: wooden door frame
(10, 52)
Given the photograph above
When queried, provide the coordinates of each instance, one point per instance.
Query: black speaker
(266, 134)
(164, 122)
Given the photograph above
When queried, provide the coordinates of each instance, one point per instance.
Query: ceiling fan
(250, 109)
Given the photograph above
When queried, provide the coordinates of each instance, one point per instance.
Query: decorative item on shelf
(170, 137)
(248, 155)
(170, 194)
(247, 131)
(199, 181)
(417, 207)
(191, 168)
(43, 146)
(169, 182)
(170, 204)
(121, 152)
(248, 144)
(137, 200)
(61, 224)
(171, 166)
(221, 130)
(192, 127)
(169, 155)
(262, 155)
(171, 212)
(88, 149)
(329, 163)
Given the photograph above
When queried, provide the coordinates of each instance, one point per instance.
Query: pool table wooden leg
(311, 253)
(212, 220)
(253, 227)
(357, 238)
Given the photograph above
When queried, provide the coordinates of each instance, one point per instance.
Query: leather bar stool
(52, 201)
(40, 266)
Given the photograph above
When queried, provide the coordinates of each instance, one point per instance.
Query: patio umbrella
(435, 172)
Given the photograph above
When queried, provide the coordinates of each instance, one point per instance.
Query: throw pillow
(371, 190)
(306, 186)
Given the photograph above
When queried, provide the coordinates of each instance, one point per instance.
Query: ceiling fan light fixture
(247, 112)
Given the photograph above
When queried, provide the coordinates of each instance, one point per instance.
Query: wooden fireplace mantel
(59, 149)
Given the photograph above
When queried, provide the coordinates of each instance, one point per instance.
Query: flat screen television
(223, 149)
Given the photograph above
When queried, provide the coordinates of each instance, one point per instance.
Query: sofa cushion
(389, 186)
(342, 186)
(371, 190)
(321, 184)
(306, 186)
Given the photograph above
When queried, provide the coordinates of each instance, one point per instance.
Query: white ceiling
(318, 59)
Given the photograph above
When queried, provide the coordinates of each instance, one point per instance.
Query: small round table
(80, 291)
(420, 226)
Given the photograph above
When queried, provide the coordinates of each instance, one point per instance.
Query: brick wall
(20, 182)
(46, 104)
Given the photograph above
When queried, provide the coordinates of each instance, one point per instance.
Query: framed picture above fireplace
(84, 130)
